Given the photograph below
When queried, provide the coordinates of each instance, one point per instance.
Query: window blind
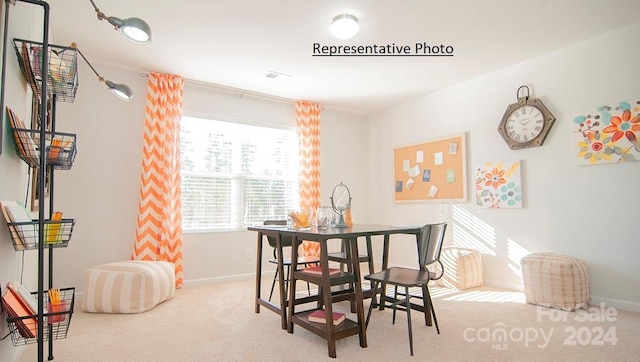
(234, 175)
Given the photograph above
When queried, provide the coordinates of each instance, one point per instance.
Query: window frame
(238, 178)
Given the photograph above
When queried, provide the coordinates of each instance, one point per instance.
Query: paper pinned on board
(438, 158)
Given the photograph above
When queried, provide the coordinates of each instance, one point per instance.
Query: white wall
(587, 211)
(101, 190)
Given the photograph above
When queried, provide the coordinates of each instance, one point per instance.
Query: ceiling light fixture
(344, 26)
(134, 29)
(122, 91)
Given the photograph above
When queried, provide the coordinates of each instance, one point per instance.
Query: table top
(313, 233)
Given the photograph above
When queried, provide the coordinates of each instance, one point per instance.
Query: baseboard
(222, 279)
(616, 303)
(595, 300)
(502, 284)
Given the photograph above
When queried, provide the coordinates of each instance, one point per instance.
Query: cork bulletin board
(431, 171)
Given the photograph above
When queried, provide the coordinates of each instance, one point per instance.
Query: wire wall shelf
(62, 77)
(24, 329)
(60, 148)
(25, 235)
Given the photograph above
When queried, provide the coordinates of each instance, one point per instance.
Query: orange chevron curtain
(308, 129)
(159, 228)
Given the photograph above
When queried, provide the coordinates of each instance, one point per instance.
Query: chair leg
(427, 306)
(433, 311)
(374, 290)
(286, 281)
(273, 284)
(406, 290)
(395, 300)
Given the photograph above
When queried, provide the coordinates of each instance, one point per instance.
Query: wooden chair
(286, 262)
(429, 247)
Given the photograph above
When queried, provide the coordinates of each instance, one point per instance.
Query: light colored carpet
(217, 323)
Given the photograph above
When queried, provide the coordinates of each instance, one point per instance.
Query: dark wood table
(287, 304)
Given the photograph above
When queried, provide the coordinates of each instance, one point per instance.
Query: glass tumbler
(325, 217)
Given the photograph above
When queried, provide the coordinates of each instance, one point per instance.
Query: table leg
(292, 283)
(281, 279)
(358, 292)
(328, 306)
(258, 271)
(385, 265)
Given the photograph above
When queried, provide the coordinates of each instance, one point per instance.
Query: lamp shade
(121, 90)
(344, 26)
(136, 30)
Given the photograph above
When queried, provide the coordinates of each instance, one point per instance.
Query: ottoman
(556, 281)
(462, 268)
(132, 286)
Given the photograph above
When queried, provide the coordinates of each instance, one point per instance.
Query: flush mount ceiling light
(344, 26)
(134, 29)
(122, 91)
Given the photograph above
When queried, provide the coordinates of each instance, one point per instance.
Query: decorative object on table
(499, 185)
(320, 316)
(608, 134)
(299, 219)
(525, 123)
(325, 217)
(341, 203)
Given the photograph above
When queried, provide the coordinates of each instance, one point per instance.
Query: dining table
(287, 304)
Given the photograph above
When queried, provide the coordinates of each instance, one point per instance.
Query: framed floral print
(608, 134)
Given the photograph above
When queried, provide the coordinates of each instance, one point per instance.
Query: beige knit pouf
(556, 281)
(132, 286)
(462, 268)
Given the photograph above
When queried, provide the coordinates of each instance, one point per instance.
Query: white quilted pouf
(462, 268)
(556, 281)
(132, 286)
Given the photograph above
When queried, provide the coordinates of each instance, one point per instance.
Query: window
(235, 175)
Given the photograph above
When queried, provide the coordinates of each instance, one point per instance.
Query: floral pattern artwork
(609, 134)
(499, 185)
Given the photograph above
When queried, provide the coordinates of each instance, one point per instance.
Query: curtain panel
(159, 224)
(308, 129)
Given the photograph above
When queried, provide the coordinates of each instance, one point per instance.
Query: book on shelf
(319, 316)
(28, 299)
(25, 234)
(318, 270)
(15, 307)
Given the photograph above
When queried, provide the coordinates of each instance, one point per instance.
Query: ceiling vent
(273, 74)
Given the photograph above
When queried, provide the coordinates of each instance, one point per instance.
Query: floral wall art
(499, 185)
(608, 134)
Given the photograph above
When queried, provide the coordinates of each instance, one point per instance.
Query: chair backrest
(430, 244)
(286, 240)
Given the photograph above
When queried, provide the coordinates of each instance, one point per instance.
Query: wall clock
(525, 123)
